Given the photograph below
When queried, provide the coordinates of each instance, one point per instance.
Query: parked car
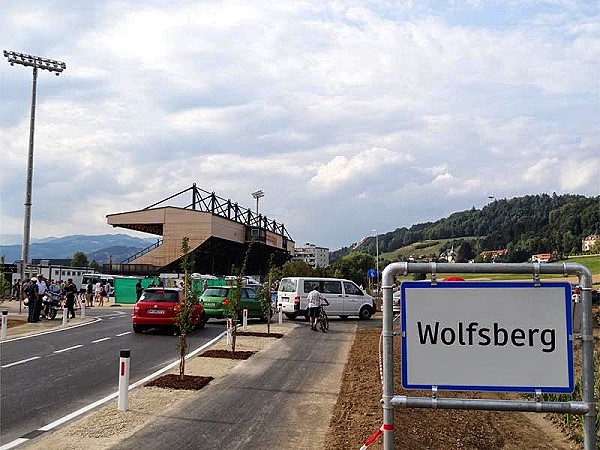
(216, 300)
(157, 307)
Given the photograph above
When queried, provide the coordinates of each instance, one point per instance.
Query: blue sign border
(484, 285)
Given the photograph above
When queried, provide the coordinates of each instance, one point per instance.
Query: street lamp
(377, 252)
(258, 194)
(50, 65)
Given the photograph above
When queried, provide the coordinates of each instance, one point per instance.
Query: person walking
(315, 300)
(138, 289)
(103, 294)
(89, 294)
(97, 287)
(70, 291)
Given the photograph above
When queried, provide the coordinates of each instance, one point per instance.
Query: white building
(313, 255)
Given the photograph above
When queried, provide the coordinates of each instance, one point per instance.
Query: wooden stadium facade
(220, 233)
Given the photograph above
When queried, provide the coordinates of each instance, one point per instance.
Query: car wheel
(137, 328)
(202, 321)
(343, 317)
(365, 313)
(306, 316)
(291, 316)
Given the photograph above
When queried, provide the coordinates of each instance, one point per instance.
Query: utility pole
(50, 65)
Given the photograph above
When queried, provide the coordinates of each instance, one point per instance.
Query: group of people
(36, 288)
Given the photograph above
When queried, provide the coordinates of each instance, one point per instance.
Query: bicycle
(322, 320)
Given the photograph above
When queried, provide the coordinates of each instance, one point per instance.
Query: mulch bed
(257, 334)
(226, 354)
(189, 382)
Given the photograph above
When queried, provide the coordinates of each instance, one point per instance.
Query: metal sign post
(474, 320)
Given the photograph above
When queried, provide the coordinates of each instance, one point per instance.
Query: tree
(79, 260)
(185, 310)
(235, 298)
(264, 295)
(94, 265)
(4, 283)
(465, 252)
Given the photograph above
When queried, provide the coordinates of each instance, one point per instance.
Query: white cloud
(385, 107)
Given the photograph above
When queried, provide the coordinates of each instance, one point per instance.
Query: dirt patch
(12, 323)
(357, 414)
(173, 381)
(258, 334)
(228, 354)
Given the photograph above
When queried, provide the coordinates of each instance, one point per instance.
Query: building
(491, 255)
(312, 255)
(544, 257)
(589, 241)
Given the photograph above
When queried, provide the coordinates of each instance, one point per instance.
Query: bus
(109, 280)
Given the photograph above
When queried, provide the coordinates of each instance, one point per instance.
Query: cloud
(375, 114)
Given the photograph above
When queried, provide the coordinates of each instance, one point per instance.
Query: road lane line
(13, 444)
(19, 362)
(68, 348)
(96, 320)
(87, 408)
(100, 340)
(123, 334)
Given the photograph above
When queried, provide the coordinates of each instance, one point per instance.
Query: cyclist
(315, 300)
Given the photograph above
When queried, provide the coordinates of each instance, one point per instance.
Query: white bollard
(65, 315)
(280, 315)
(83, 309)
(245, 319)
(124, 379)
(229, 338)
(4, 324)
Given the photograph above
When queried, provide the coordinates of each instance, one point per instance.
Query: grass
(422, 248)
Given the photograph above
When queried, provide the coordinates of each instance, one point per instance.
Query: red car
(157, 307)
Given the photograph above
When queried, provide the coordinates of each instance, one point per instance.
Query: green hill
(523, 225)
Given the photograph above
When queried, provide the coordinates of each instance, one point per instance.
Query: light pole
(377, 260)
(258, 194)
(50, 65)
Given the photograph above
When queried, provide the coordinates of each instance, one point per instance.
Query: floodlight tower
(258, 194)
(50, 65)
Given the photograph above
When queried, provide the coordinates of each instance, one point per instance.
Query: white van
(344, 296)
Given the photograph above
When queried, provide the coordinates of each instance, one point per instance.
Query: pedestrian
(204, 286)
(103, 294)
(16, 289)
(315, 300)
(138, 289)
(160, 283)
(97, 291)
(41, 291)
(70, 291)
(30, 290)
(89, 293)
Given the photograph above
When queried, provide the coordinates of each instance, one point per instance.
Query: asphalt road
(280, 399)
(46, 377)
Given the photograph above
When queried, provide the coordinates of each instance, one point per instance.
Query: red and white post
(4, 324)
(229, 338)
(245, 319)
(124, 379)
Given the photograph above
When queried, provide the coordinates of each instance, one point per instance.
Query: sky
(351, 116)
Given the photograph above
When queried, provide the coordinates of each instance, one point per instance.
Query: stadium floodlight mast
(50, 65)
(258, 194)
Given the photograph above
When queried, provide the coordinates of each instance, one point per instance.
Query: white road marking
(19, 362)
(87, 408)
(100, 340)
(123, 334)
(68, 348)
(14, 443)
(50, 331)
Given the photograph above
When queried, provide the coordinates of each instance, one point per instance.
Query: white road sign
(487, 336)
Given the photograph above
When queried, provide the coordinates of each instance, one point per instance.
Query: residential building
(313, 255)
(589, 241)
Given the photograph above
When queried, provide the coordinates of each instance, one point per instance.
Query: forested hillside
(523, 225)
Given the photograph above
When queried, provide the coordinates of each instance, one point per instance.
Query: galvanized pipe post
(585, 282)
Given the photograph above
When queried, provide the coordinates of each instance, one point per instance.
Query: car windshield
(215, 292)
(160, 296)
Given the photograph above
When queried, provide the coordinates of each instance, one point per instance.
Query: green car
(216, 299)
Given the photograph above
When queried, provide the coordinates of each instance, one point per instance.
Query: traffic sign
(487, 336)
(372, 273)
